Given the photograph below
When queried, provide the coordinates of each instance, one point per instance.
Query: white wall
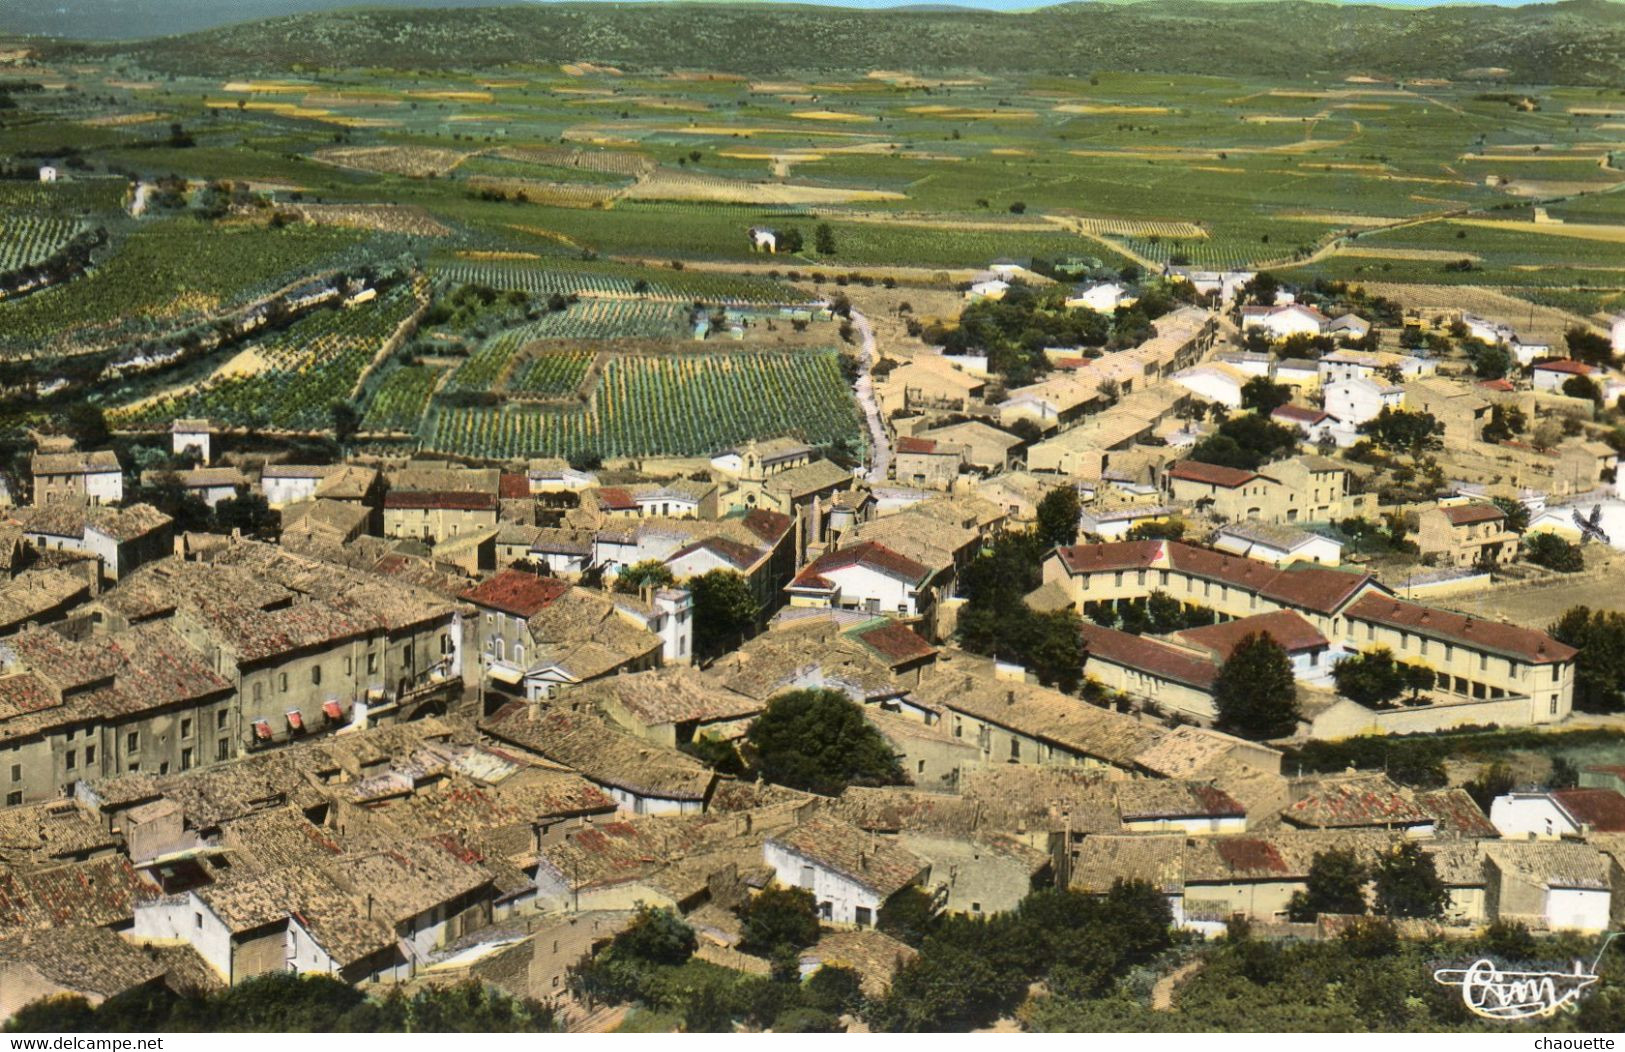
(1519, 815)
(857, 585)
(1578, 909)
(186, 919)
(104, 487)
(844, 897)
(281, 491)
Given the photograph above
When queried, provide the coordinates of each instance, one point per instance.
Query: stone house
(1466, 534)
(93, 477)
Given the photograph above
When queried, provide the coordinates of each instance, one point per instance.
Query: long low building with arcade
(1486, 672)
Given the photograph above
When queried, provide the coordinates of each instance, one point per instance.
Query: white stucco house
(1353, 402)
(1553, 373)
(1102, 298)
(1558, 813)
(850, 873)
(1278, 545)
(867, 576)
(1215, 382)
(1279, 322)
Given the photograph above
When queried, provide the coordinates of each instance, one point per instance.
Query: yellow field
(123, 120)
(452, 96)
(970, 114)
(1118, 227)
(1422, 254)
(266, 87)
(1583, 231)
(1102, 107)
(476, 254)
(1339, 218)
(833, 115)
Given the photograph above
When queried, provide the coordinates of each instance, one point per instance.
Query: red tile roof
(1119, 555)
(739, 556)
(616, 499)
(1368, 800)
(1211, 474)
(1497, 385)
(770, 526)
(1522, 644)
(1292, 632)
(517, 592)
(1163, 660)
(910, 444)
(1299, 414)
(1468, 514)
(513, 486)
(896, 643)
(441, 500)
(1565, 365)
(869, 554)
(1602, 809)
(1315, 588)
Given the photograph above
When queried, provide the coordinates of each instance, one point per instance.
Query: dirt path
(864, 388)
(1162, 994)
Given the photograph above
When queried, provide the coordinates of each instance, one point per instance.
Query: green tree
(1492, 780)
(1246, 442)
(1582, 387)
(1407, 884)
(346, 420)
(1490, 361)
(819, 741)
(1517, 515)
(1599, 670)
(1589, 347)
(1336, 884)
(650, 573)
(1051, 646)
(1263, 396)
(824, 239)
(657, 936)
(1058, 517)
(779, 919)
(1164, 530)
(725, 611)
(1505, 422)
(1404, 431)
(1553, 552)
(952, 989)
(86, 424)
(1373, 679)
(1255, 694)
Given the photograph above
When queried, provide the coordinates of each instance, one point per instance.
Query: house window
(1117, 579)
(132, 741)
(919, 768)
(259, 692)
(71, 760)
(349, 666)
(197, 920)
(282, 682)
(1557, 673)
(863, 916)
(372, 664)
(316, 675)
(16, 772)
(186, 758)
(223, 749)
(406, 655)
(518, 654)
(1554, 704)
(806, 876)
(826, 910)
(186, 728)
(90, 755)
(1015, 749)
(14, 799)
(1483, 662)
(445, 644)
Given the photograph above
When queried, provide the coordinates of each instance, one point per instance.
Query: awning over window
(262, 729)
(506, 674)
(295, 720)
(333, 709)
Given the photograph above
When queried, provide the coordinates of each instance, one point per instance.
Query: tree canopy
(1246, 442)
(725, 611)
(1407, 885)
(1336, 884)
(819, 741)
(651, 573)
(1599, 671)
(1255, 693)
(1375, 679)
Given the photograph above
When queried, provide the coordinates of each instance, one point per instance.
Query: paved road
(864, 388)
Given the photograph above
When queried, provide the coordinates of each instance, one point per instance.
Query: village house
(850, 874)
(866, 576)
(1280, 322)
(767, 457)
(671, 707)
(1277, 545)
(926, 462)
(331, 522)
(120, 539)
(210, 485)
(1316, 425)
(1356, 401)
(1102, 298)
(1463, 410)
(1552, 373)
(930, 382)
(986, 448)
(1112, 521)
(1466, 534)
(677, 499)
(1551, 886)
(1215, 381)
(543, 636)
(641, 777)
(74, 477)
(1497, 334)
(1300, 374)
(1559, 813)
(1373, 365)
(437, 517)
(1229, 493)
(192, 436)
(78, 961)
(284, 484)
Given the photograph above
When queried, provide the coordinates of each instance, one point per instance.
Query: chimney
(1009, 697)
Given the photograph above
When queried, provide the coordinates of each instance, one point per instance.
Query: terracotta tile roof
(1300, 414)
(1343, 802)
(739, 556)
(1564, 365)
(1151, 798)
(1159, 659)
(616, 499)
(896, 809)
(1522, 644)
(449, 500)
(1551, 863)
(882, 866)
(1468, 514)
(1285, 855)
(1102, 860)
(1291, 631)
(1602, 809)
(868, 554)
(770, 526)
(514, 486)
(262, 634)
(1121, 555)
(1210, 474)
(1317, 588)
(1455, 813)
(910, 444)
(897, 643)
(517, 592)
(76, 463)
(671, 695)
(874, 955)
(602, 753)
(72, 520)
(88, 960)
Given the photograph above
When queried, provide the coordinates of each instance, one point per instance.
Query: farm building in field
(193, 435)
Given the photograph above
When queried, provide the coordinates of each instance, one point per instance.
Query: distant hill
(1572, 42)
